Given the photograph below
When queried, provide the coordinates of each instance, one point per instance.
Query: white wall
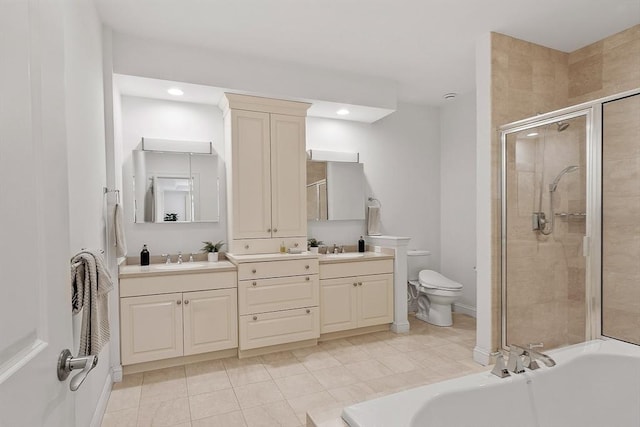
(151, 118)
(84, 105)
(401, 157)
(458, 196)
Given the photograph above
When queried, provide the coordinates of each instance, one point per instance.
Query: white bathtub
(594, 384)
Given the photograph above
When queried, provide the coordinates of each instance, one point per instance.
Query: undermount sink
(346, 255)
(183, 266)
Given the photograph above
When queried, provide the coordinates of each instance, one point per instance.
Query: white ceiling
(426, 46)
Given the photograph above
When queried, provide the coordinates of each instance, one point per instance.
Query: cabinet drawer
(280, 327)
(356, 268)
(164, 284)
(264, 270)
(283, 293)
(265, 246)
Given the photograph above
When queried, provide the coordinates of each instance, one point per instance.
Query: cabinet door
(375, 300)
(210, 321)
(288, 176)
(338, 306)
(251, 178)
(150, 328)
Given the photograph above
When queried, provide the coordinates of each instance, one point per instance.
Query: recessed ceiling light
(175, 91)
(342, 112)
(532, 134)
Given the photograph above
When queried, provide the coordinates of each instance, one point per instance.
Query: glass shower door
(543, 225)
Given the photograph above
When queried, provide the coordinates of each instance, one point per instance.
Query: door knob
(68, 363)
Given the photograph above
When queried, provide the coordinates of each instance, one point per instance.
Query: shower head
(562, 126)
(554, 185)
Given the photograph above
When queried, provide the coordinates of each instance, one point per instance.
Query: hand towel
(373, 221)
(90, 284)
(118, 227)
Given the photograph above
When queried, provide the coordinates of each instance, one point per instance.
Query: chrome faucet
(168, 260)
(179, 257)
(532, 356)
(500, 370)
(515, 359)
(335, 248)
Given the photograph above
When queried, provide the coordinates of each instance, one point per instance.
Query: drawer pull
(308, 311)
(355, 284)
(306, 267)
(186, 301)
(246, 246)
(254, 284)
(255, 317)
(253, 271)
(307, 278)
(179, 302)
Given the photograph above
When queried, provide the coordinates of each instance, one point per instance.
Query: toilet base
(433, 313)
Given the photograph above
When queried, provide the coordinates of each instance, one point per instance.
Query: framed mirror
(175, 187)
(335, 191)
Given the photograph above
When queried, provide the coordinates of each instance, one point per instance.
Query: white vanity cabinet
(278, 299)
(355, 294)
(266, 173)
(174, 315)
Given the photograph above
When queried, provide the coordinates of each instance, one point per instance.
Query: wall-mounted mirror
(175, 187)
(335, 191)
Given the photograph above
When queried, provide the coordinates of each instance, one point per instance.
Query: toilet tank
(417, 260)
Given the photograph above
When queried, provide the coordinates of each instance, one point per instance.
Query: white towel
(373, 221)
(90, 284)
(118, 230)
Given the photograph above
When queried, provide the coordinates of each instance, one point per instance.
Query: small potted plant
(212, 249)
(313, 245)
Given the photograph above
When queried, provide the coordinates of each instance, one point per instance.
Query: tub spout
(532, 357)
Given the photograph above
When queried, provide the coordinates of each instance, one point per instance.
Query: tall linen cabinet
(266, 173)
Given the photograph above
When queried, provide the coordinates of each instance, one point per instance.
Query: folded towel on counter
(90, 284)
(119, 240)
(373, 221)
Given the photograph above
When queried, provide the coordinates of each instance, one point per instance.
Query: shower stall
(570, 224)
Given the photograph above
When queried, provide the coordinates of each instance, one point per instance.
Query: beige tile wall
(528, 79)
(621, 219)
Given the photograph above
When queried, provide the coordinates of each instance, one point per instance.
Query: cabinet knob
(253, 271)
(306, 267)
(268, 230)
(186, 301)
(307, 278)
(355, 284)
(275, 230)
(308, 311)
(296, 244)
(359, 283)
(246, 246)
(255, 317)
(254, 283)
(179, 302)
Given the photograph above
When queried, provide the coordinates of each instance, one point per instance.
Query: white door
(35, 301)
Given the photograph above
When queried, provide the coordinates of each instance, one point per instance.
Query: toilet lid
(433, 279)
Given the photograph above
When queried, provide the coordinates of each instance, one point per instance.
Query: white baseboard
(464, 309)
(116, 373)
(482, 356)
(101, 407)
(400, 328)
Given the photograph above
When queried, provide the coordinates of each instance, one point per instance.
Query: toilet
(436, 293)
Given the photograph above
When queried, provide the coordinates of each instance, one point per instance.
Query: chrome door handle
(68, 363)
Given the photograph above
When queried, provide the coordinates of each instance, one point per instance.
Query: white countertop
(175, 268)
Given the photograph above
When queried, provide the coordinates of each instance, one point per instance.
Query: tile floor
(280, 389)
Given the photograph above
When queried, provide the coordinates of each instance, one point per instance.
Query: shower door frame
(592, 111)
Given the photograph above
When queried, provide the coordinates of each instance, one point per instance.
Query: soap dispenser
(144, 255)
(361, 244)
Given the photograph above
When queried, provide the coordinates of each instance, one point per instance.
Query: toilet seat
(433, 280)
